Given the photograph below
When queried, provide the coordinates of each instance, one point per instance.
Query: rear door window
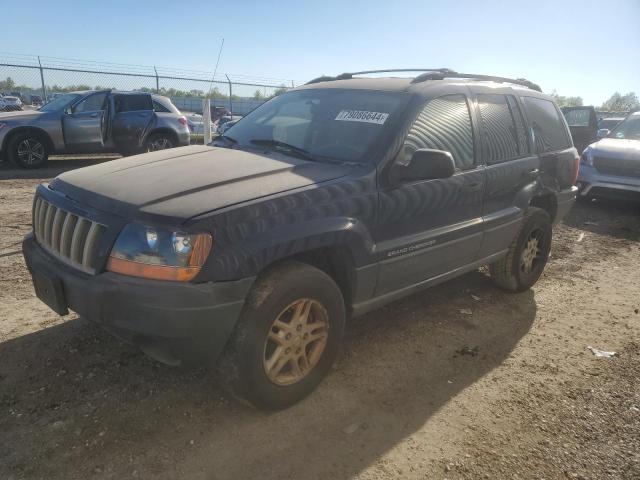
(444, 124)
(504, 136)
(132, 103)
(548, 128)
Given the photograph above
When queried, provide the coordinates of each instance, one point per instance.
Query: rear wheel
(287, 337)
(527, 254)
(28, 150)
(158, 141)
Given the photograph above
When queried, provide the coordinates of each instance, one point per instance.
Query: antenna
(215, 70)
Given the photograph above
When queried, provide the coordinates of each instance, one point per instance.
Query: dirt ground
(422, 390)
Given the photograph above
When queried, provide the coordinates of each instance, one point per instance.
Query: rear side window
(158, 107)
(549, 133)
(504, 137)
(577, 118)
(444, 124)
(132, 103)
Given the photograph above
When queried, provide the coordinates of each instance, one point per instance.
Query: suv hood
(617, 148)
(185, 182)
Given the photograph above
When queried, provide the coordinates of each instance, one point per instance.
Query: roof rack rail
(473, 76)
(434, 74)
(349, 75)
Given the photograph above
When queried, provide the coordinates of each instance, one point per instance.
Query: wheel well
(44, 136)
(336, 262)
(166, 131)
(547, 202)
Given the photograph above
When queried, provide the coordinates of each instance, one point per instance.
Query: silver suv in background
(96, 121)
(610, 167)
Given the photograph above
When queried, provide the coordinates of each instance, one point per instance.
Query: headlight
(159, 253)
(587, 157)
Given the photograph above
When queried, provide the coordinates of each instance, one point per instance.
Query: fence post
(157, 80)
(44, 89)
(230, 94)
(206, 121)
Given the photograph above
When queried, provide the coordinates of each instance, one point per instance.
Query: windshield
(609, 123)
(334, 124)
(59, 102)
(628, 129)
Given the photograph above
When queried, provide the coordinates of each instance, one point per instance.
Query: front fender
(251, 257)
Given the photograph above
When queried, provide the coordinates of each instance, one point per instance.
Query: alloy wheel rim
(531, 252)
(296, 341)
(159, 144)
(30, 151)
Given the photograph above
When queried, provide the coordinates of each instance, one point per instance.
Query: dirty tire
(242, 366)
(28, 150)
(508, 273)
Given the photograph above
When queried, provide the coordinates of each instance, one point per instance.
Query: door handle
(533, 173)
(94, 115)
(472, 185)
(143, 114)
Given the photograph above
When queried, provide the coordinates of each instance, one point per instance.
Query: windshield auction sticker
(362, 116)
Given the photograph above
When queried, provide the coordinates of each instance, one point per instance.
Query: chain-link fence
(39, 79)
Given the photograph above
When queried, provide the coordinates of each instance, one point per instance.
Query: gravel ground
(422, 389)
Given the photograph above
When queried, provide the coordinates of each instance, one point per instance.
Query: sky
(577, 47)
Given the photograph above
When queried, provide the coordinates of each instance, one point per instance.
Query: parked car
(196, 125)
(92, 122)
(325, 202)
(609, 123)
(36, 100)
(224, 123)
(10, 104)
(610, 167)
(218, 112)
(583, 124)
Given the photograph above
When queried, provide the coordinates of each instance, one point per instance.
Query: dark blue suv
(326, 202)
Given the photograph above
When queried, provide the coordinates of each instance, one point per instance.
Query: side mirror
(426, 164)
(603, 132)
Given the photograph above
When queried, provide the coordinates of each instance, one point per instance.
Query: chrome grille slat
(56, 228)
(90, 245)
(67, 233)
(72, 238)
(77, 240)
(48, 223)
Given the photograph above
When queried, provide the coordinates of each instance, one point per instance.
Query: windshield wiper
(269, 142)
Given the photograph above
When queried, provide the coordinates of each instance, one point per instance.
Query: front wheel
(28, 150)
(527, 254)
(287, 337)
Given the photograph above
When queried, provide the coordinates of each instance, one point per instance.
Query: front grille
(613, 166)
(71, 238)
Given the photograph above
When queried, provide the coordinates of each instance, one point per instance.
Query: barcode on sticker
(362, 116)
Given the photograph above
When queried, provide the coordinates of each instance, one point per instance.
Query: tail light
(182, 120)
(576, 169)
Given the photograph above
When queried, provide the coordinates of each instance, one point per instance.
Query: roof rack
(434, 74)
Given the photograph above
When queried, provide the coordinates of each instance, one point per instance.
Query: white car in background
(10, 104)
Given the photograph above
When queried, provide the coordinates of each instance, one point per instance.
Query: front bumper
(173, 322)
(591, 182)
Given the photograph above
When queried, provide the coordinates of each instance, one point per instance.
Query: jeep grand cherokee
(326, 202)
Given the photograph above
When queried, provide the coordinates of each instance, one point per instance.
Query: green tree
(280, 90)
(563, 101)
(621, 103)
(258, 95)
(7, 84)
